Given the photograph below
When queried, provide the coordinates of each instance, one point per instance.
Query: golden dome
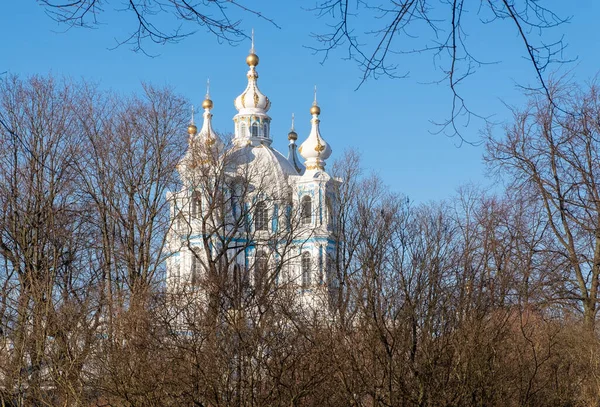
(292, 135)
(207, 104)
(252, 59)
(192, 129)
(314, 109)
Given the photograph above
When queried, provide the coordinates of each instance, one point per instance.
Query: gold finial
(252, 58)
(292, 135)
(192, 129)
(207, 103)
(315, 109)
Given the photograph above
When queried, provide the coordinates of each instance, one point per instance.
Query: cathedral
(249, 218)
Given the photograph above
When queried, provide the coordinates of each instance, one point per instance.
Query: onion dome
(252, 100)
(315, 149)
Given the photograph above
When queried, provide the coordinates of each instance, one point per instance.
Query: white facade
(247, 218)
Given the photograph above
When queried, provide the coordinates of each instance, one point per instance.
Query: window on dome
(261, 217)
(266, 130)
(254, 129)
(306, 210)
(306, 265)
(242, 129)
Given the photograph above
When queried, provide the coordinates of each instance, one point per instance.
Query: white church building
(249, 218)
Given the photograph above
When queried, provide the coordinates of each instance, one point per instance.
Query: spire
(252, 58)
(192, 129)
(315, 149)
(315, 109)
(292, 135)
(206, 135)
(292, 156)
(207, 104)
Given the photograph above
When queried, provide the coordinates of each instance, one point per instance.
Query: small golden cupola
(192, 129)
(315, 149)
(292, 135)
(207, 103)
(252, 123)
(292, 156)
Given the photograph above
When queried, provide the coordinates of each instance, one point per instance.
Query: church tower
(315, 197)
(247, 217)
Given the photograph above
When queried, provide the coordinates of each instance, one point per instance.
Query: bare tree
(550, 157)
(50, 294)
(132, 146)
(159, 21)
(399, 29)
(472, 301)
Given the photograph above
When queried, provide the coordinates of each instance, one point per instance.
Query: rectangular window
(306, 211)
(306, 269)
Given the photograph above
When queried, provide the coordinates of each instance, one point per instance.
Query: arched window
(176, 273)
(331, 220)
(196, 266)
(260, 269)
(254, 129)
(196, 204)
(266, 130)
(180, 224)
(319, 276)
(236, 274)
(306, 266)
(242, 129)
(237, 285)
(306, 210)
(261, 217)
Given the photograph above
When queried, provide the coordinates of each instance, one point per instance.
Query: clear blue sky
(388, 121)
